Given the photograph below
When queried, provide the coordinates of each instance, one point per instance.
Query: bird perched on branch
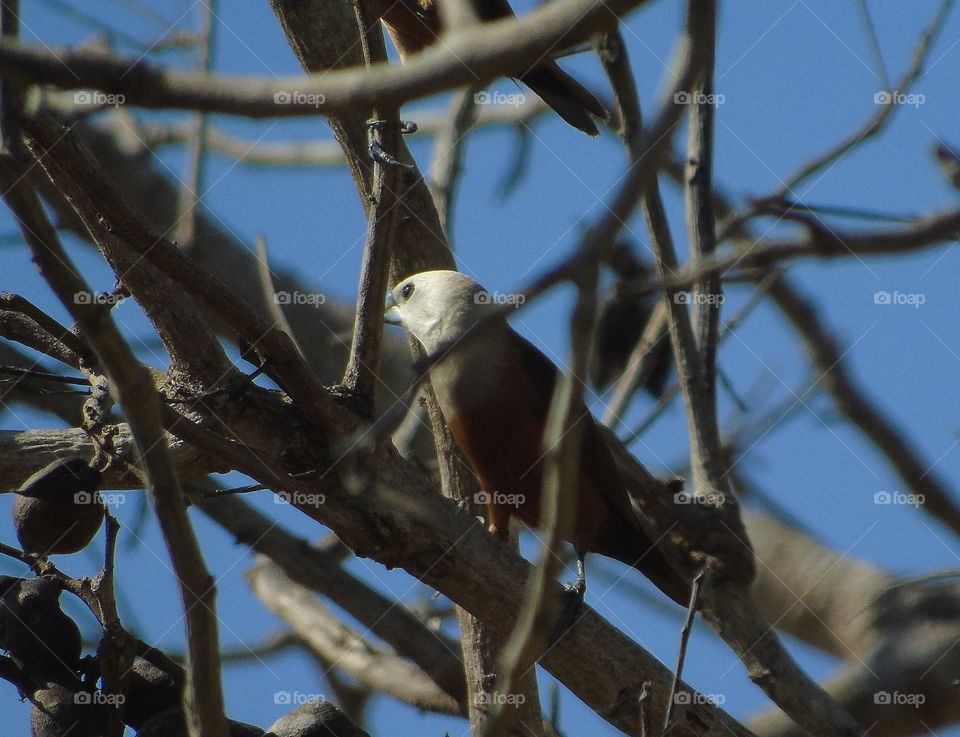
(416, 24)
(494, 389)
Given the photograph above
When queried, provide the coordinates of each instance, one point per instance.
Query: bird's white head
(438, 307)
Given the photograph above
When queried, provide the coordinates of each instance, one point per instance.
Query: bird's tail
(571, 100)
(626, 540)
(623, 542)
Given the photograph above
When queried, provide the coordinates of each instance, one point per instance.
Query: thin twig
(116, 651)
(851, 400)
(754, 300)
(326, 153)
(926, 231)
(42, 375)
(21, 304)
(193, 181)
(448, 150)
(16, 554)
(853, 213)
(685, 632)
(871, 28)
(273, 306)
(707, 294)
(639, 366)
(642, 700)
(872, 127)
(363, 366)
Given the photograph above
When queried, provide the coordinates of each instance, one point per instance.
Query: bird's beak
(392, 312)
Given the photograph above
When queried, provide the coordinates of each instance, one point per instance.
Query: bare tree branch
(70, 167)
(68, 341)
(137, 397)
(920, 476)
(26, 451)
(698, 197)
(383, 218)
(725, 551)
(309, 566)
(448, 150)
(335, 642)
(474, 54)
(190, 192)
(872, 127)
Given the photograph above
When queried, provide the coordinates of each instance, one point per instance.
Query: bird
(494, 389)
(621, 323)
(414, 25)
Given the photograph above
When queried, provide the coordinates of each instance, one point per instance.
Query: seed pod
(149, 691)
(315, 719)
(42, 640)
(59, 710)
(58, 509)
(170, 723)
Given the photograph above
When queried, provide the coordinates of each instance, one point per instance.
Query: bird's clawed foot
(406, 127)
(572, 605)
(464, 507)
(377, 152)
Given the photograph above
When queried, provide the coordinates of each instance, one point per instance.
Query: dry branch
(310, 566)
(717, 542)
(322, 631)
(475, 54)
(70, 167)
(135, 393)
(851, 400)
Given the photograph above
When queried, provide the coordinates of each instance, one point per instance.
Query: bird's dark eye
(407, 291)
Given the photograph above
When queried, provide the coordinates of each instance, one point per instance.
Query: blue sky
(795, 78)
